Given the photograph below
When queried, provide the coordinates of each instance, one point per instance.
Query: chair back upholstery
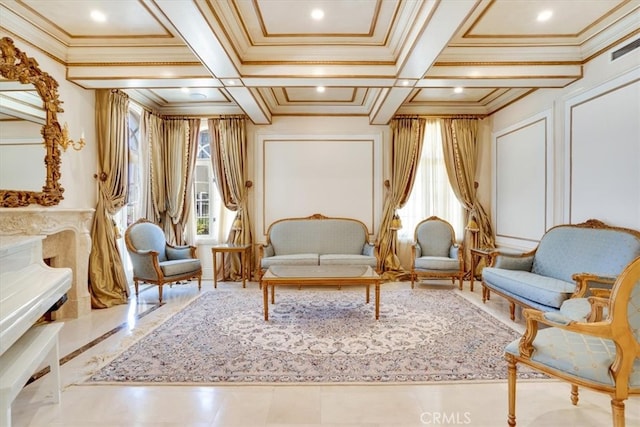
(435, 237)
(592, 247)
(320, 235)
(144, 235)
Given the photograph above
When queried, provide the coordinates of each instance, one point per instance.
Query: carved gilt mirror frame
(17, 66)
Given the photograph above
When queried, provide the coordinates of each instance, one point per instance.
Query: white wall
(335, 166)
(583, 161)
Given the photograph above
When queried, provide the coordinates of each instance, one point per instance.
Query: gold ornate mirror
(16, 68)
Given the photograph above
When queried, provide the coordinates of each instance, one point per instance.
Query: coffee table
(333, 275)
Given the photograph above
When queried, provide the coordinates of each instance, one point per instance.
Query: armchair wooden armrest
(583, 279)
(597, 308)
(535, 317)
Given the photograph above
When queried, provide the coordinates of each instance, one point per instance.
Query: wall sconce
(66, 142)
(396, 223)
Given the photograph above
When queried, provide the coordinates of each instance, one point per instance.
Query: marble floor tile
(539, 403)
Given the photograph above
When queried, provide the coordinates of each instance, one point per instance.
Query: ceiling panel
(375, 58)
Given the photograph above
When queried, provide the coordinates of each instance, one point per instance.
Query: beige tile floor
(540, 403)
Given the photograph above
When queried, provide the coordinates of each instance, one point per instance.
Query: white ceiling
(375, 58)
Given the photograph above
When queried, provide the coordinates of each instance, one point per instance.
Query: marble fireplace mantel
(67, 244)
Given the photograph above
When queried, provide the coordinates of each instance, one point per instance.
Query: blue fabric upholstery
(172, 263)
(567, 250)
(434, 238)
(437, 263)
(324, 236)
(578, 355)
(348, 259)
(318, 241)
(293, 259)
(543, 290)
(544, 279)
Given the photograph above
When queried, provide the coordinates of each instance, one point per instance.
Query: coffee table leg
(243, 259)
(377, 301)
(265, 300)
(215, 271)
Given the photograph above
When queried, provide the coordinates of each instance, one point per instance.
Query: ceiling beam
(443, 23)
(197, 33)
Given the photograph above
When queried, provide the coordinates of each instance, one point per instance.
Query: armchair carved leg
(574, 394)
(511, 369)
(617, 409)
(159, 293)
(512, 311)
(135, 285)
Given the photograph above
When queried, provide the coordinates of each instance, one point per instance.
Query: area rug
(319, 336)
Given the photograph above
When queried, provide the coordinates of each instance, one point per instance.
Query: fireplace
(67, 244)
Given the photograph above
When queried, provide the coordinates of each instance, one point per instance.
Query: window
(206, 199)
(432, 193)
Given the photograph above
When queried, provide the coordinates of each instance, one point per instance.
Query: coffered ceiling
(373, 58)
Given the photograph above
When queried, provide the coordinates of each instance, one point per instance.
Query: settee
(569, 262)
(317, 240)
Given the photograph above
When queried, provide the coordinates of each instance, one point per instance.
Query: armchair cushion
(178, 252)
(348, 259)
(179, 267)
(437, 263)
(544, 290)
(587, 355)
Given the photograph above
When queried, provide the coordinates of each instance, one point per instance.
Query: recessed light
(545, 15)
(184, 90)
(98, 16)
(458, 90)
(231, 82)
(405, 83)
(320, 89)
(317, 14)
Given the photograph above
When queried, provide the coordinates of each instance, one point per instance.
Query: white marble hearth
(67, 244)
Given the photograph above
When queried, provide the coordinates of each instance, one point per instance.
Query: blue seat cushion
(179, 267)
(292, 259)
(348, 259)
(578, 355)
(439, 263)
(530, 286)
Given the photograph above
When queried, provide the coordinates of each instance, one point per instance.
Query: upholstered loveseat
(568, 263)
(317, 240)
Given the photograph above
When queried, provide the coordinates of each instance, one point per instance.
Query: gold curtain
(154, 197)
(407, 134)
(107, 280)
(179, 148)
(229, 159)
(460, 146)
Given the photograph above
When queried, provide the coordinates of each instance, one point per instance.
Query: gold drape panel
(229, 159)
(407, 135)
(107, 280)
(460, 146)
(179, 149)
(151, 139)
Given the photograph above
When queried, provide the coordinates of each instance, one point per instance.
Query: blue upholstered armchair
(602, 355)
(156, 261)
(435, 253)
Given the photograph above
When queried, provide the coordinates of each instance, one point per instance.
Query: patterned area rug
(319, 336)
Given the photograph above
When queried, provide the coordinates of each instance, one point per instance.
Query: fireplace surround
(67, 244)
